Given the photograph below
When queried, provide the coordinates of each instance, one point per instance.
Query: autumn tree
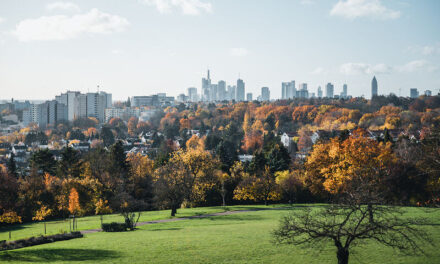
(74, 206)
(259, 186)
(289, 183)
(184, 177)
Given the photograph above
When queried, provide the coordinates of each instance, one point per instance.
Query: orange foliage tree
(74, 206)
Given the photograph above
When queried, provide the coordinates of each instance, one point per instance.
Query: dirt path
(90, 231)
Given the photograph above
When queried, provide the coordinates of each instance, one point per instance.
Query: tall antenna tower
(97, 87)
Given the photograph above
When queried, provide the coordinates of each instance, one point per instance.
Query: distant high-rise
(414, 93)
(221, 90)
(319, 92)
(303, 92)
(206, 88)
(192, 94)
(288, 90)
(249, 97)
(344, 93)
(329, 90)
(240, 90)
(231, 92)
(374, 87)
(265, 94)
(428, 93)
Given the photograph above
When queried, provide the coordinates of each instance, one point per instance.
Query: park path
(90, 231)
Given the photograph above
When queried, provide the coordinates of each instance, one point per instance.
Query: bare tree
(350, 224)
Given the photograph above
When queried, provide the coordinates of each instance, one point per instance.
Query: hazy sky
(141, 47)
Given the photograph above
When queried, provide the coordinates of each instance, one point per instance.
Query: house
(80, 146)
(18, 149)
(287, 138)
(245, 158)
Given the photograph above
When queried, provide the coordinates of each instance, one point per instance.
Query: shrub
(114, 227)
(32, 241)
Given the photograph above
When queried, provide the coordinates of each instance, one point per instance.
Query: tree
(43, 161)
(70, 165)
(429, 162)
(227, 153)
(107, 136)
(289, 184)
(260, 186)
(278, 158)
(8, 191)
(184, 177)
(118, 160)
(12, 166)
(347, 225)
(74, 206)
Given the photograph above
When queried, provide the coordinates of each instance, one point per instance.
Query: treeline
(105, 181)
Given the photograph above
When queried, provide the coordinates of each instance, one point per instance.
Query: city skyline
(130, 49)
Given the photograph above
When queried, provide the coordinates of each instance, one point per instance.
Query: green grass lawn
(92, 222)
(238, 238)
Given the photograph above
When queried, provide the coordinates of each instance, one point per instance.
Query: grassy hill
(238, 238)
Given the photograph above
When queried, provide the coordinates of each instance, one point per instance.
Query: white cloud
(66, 6)
(238, 52)
(187, 7)
(352, 9)
(318, 71)
(363, 68)
(431, 50)
(425, 50)
(62, 27)
(417, 65)
(1, 20)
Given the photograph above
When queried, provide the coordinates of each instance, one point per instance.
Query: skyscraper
(288, 90)
(329, 90)
(344, 94)
(265, 94)
(414, 93)
(221, 90)
(192, 94)
(374, 87)
(302, 92)
(249, 97)
(231, 92)
(240, 90)
(319, 92)
(206, 88)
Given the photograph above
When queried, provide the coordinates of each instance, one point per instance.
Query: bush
(114, 227)
(32, 241)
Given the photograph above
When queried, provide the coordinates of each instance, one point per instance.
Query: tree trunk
(173, 210)
(224, 201)
(370, 213)
(342, 255)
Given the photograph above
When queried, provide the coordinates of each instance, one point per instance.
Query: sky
(142, 47)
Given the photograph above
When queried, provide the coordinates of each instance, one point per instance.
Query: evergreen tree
(12, 166)
(70, 164)
(43, 161)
